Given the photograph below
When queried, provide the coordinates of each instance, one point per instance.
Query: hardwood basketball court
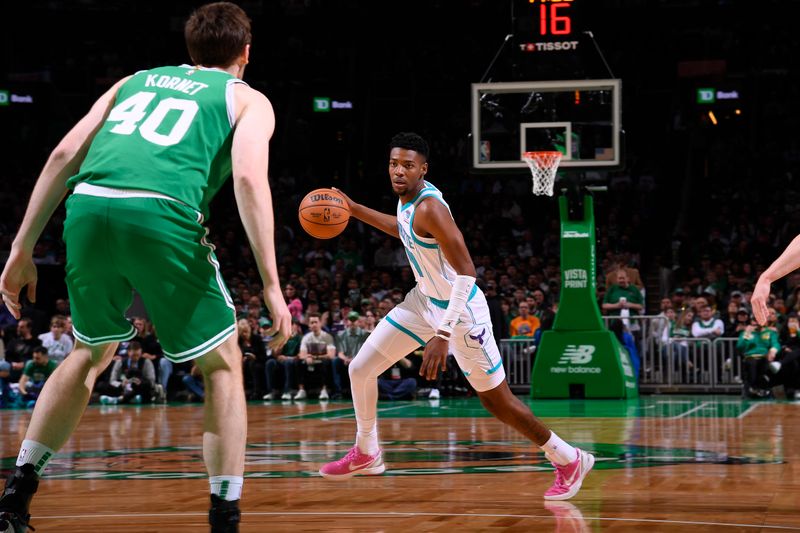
(665, 463)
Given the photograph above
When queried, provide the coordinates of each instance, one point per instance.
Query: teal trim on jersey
(411, 202)
(414, 263)
(436, 196)
(414, 235)
(405, 330)
(444, 303)
(441, 264)
(495, 368)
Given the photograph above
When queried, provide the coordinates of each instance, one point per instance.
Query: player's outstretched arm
(64, 161)
(789, 261)
(255, 123)
(382, 221)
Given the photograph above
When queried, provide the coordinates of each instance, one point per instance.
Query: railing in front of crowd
(668, 364)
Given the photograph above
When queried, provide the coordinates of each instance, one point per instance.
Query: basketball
(324, 213)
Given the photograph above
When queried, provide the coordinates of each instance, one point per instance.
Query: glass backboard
(579, 118)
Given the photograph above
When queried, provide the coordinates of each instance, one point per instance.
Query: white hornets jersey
(433, 273)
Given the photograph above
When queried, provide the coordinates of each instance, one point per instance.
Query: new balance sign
(577, 354)
(574, 359)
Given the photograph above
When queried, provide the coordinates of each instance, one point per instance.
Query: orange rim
(546, 153)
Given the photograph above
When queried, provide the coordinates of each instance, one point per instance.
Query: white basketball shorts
(413, 322)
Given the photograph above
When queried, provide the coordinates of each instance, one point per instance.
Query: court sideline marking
(692, 410)
(413, 514)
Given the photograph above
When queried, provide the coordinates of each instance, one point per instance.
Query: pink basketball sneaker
(354, 463)
(570, 477)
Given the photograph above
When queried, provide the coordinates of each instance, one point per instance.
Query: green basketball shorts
(157, 247)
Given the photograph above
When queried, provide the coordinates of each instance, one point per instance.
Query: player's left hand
(435, 355)
(19, 272)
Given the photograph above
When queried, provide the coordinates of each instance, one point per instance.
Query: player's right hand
(759, 300)
(281, 328)
(20, 271)
(350, 203)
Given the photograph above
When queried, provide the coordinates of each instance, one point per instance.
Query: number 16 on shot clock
(554, 17)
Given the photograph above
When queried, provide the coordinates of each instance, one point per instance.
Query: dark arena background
(694, 184)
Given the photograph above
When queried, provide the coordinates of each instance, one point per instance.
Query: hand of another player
(281, 328)
(435, 355)
(19, 272)
(759, 300)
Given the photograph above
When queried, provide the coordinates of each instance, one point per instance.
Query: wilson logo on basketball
(319, 197)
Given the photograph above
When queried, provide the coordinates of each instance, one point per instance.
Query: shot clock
(547, 25)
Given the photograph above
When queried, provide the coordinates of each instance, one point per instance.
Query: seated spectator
(194, 384)
(674, 343)
(707, 327)
(132, 378)
(661, 322)
(758, 346)
(254, 358)
(731, 320)
(34, 376)
(369, 321)
(317, 351)
(773, 320)
(285, 358)
(737, 297)
(19, 349)
(393, 385)
(58, 344)
(293, 301)
(384, 306)
(348, 343)
(151, 349)
(525, 324)
(786, 366)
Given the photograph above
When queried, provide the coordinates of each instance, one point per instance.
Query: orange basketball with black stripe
(324, 213)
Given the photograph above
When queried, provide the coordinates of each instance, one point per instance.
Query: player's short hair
(410, 141)
(216, 34)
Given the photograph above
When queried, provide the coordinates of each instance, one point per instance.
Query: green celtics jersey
(169, 132)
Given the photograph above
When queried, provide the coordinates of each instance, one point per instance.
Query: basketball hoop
(543, 167)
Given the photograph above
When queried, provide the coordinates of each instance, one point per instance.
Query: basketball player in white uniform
(445, 310)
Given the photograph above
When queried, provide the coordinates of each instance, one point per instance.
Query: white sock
(364, 370)
(229, 488)
(367, 441)
(35, 453)
(558, 451)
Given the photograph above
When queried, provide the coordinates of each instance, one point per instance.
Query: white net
(543, 167)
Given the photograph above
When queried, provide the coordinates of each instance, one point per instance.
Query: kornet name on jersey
(170, 132)
(433, 273)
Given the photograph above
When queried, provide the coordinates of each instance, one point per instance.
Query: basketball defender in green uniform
(143, 166)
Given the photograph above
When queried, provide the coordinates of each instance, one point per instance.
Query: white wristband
(462, 286)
